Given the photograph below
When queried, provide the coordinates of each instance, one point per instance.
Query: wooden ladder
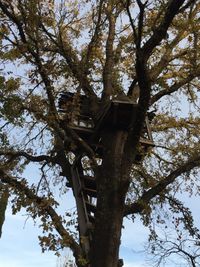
(85, 193)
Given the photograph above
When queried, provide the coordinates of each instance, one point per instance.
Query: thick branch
(141, 203)
(95, 37)
(144, 83)
(175, 86)
(168, 56)
(140, 21)
(131, 87)
(127, 6)
(108, 68)
(161, 31)
(17, 154)
(4, 8)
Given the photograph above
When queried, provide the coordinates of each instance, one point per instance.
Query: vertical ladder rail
(81, 208)
(148, 129)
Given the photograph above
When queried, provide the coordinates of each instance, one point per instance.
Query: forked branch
(144, 200)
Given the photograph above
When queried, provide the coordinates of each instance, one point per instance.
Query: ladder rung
(90, 207)
(146, 141)
(88, 177)
(90, 192)
(90, 182)
(90, 226)
(91, 218)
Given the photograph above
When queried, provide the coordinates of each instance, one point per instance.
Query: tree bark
(107, 233)
(110, 204)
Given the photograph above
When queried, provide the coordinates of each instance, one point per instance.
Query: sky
(19, 244)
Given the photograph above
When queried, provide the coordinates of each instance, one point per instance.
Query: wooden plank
(83, 218)
(146, 141)
(84, 133)
(81, 208)
(90, 192)
(117, 114)
(90, 207)
(91, 218)
(89, 182)
(82, 129)
(148, 128)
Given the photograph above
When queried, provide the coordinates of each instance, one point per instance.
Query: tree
(137, 60)
(172, 246)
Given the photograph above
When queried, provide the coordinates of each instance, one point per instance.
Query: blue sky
(19, 244)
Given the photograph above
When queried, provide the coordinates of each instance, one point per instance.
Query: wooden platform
(115, 114)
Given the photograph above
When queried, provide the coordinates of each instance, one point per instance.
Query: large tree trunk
(107, 233)
(112, 188)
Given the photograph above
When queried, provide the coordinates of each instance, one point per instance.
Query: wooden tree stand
(116, 114)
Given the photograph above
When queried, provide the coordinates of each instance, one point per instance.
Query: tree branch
(44, 206)
(188, 4)
(131, 87)
(94, 39)
(141, 203)
(140, 21)
(4, 8)
(127, 6)
(72, 61)
(17, 154)
(175, 86)
(168, 56)
(35, 55)
(161, 31)
(108, 68)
